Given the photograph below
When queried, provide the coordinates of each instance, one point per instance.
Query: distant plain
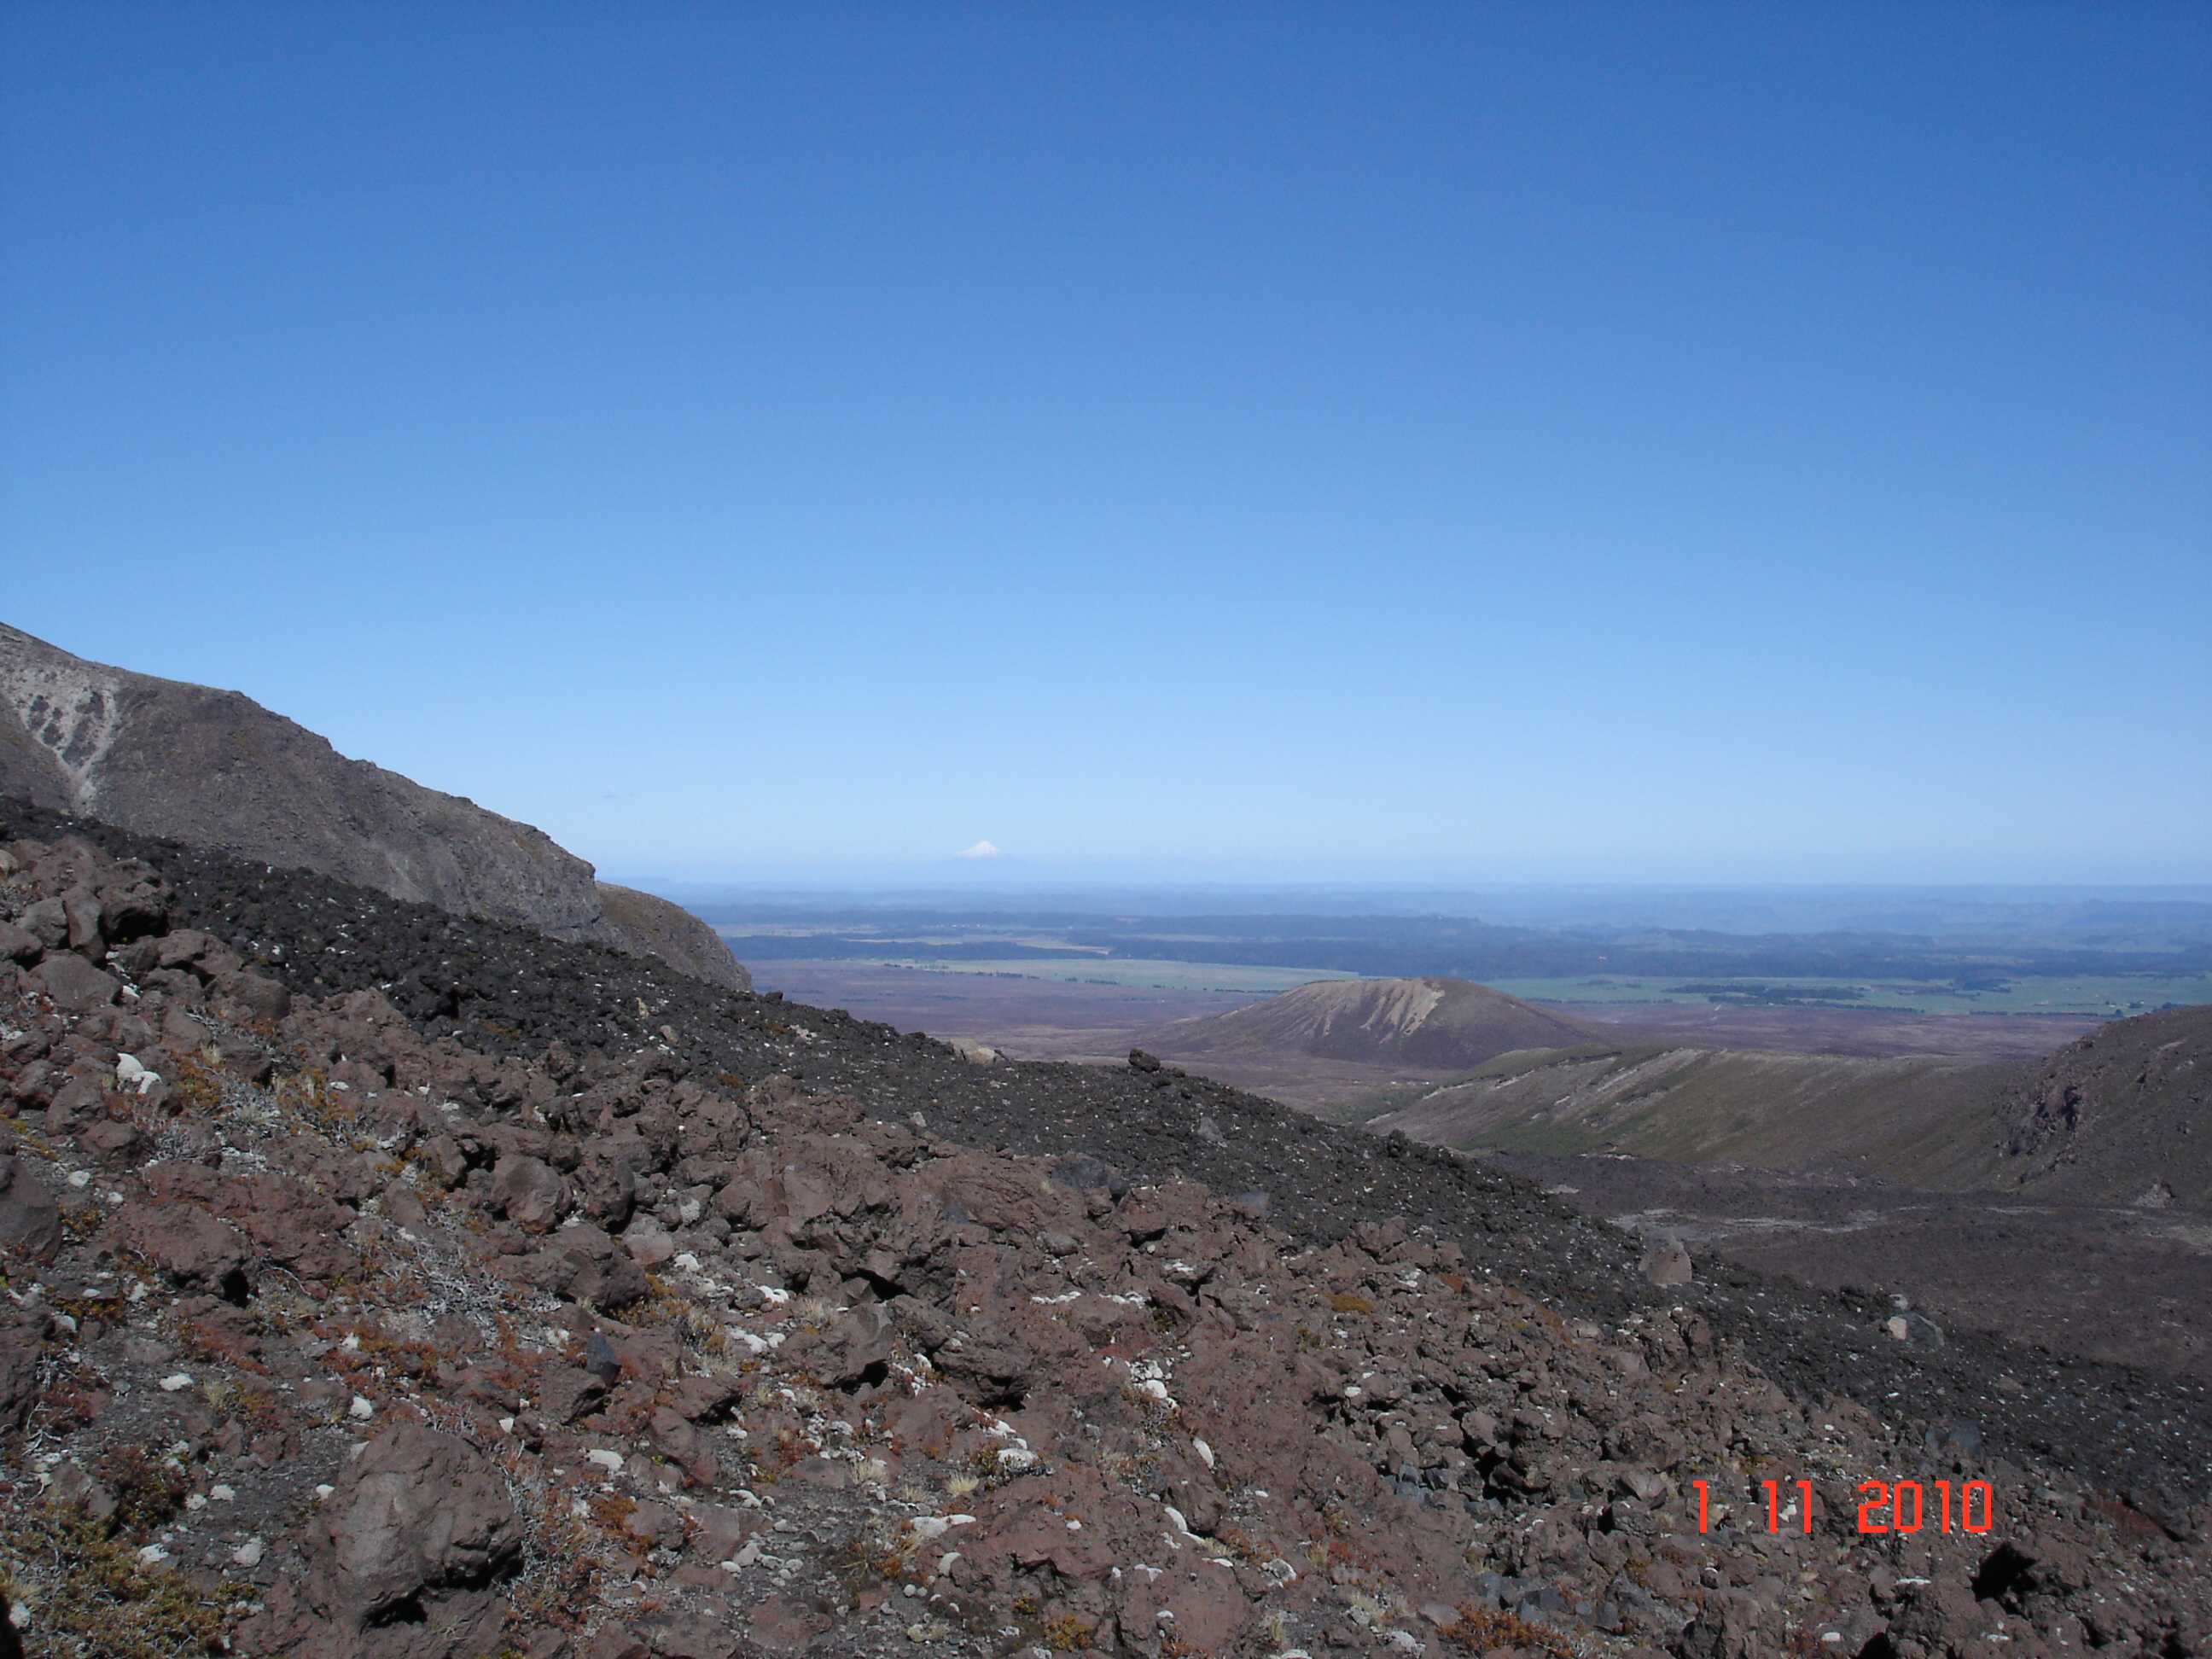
(1986, 976)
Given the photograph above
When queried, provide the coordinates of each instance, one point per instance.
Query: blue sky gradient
(1595, 443)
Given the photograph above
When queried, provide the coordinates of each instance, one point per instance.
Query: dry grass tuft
(89, 1594)
(1480, 1629)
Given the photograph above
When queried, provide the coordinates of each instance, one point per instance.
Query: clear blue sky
(1603, 442)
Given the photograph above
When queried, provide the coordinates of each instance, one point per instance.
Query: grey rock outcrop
(1666, 1262)
(214, 769)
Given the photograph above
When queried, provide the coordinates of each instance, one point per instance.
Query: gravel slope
(2145, 1437)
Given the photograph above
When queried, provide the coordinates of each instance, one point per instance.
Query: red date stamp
(1885, 1506)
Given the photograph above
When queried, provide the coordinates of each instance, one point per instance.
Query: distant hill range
(2121, 1116)
(1428, 1024)
(214, 769)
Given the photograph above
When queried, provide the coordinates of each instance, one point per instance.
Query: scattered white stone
(152, 1556)
(361, 1410)
(176, 1380)
(323, 1491)
(611, 1461)
(249, 1554)
(194, 1501)
(745, 1556)
(1205, 1452)
(80, 1178)
(686, 1263)
(507, 1425)
(1017, 1458)
(223, 1494)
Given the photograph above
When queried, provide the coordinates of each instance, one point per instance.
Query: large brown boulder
(75, 984)
(30, 1223)
(21, 1340)
(17, 945)
(419, 1532)
(531, 1193)
(190, 1246)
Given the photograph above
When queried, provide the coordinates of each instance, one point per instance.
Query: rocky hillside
(2121, 1116)
(382, 1284)
(1918, 1120)
(646, 924)
(214, 769)
(1447, 1024)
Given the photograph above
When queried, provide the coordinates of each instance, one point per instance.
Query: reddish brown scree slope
(325, 1337)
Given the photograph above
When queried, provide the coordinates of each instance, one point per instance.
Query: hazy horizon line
(891, 882)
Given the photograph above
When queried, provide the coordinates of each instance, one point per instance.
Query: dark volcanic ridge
(214, 769)
(508, 990)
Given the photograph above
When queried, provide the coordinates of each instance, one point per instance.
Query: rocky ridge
(2123, 1115)
(354, 1314)
(214, 769)
(1909, 1119)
